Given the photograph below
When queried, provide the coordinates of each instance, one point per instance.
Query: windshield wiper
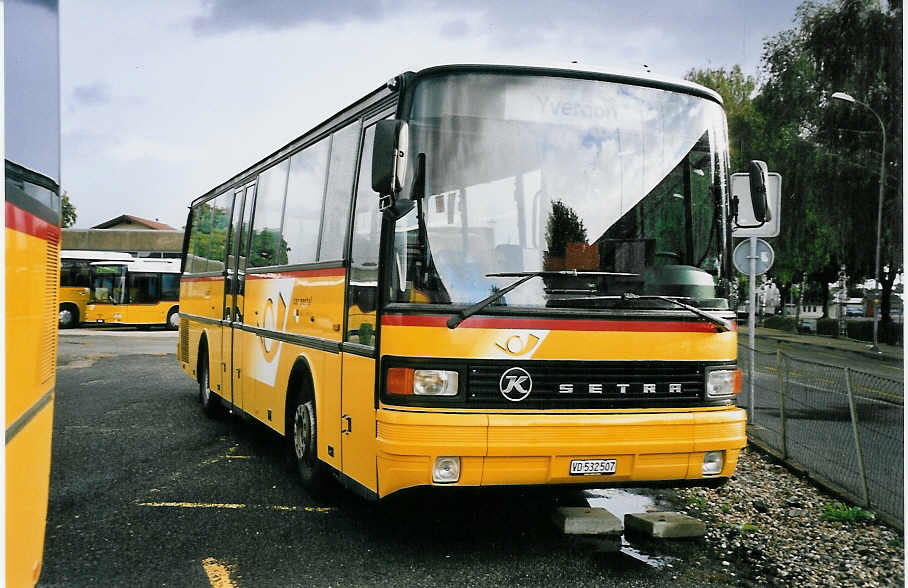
(718, 321)
(466, 313)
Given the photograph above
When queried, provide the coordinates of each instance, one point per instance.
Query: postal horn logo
(515, 384)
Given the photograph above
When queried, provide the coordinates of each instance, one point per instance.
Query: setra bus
(140, 292)
(31, 130)
(75, 282)
(480, 275)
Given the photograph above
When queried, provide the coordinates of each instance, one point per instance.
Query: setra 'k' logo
(518, 345)
(515, 384)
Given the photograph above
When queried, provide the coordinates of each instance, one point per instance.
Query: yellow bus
(31, 129)
(141, 292)
(75, 282)
(480, 275)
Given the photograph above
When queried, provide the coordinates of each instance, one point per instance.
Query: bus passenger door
(234, 337)
(358, 442)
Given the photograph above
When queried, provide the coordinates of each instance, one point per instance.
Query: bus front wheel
(303, 439)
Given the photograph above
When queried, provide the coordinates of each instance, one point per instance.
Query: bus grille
(51, 310)
(589, 384)
(184, 339)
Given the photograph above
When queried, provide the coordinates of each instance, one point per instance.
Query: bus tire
(208, 399)
(304, 445)
(69, 316)
(173, 319)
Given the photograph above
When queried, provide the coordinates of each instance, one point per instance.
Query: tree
(744, 120)
(564, 226)
(68, 211)
(828, 152)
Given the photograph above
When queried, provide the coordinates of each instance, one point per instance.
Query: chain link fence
(844, 426)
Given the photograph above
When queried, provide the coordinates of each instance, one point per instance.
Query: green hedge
(890, 333)
(777, 321)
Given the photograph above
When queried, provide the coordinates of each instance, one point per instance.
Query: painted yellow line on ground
(234, 506)
(217, 459)
(218, 574)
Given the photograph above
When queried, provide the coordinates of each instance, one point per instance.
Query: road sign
(764, 254)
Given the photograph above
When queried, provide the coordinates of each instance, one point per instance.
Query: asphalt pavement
(147, 491)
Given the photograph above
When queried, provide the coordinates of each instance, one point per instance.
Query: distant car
(806, 326)
(854, 311)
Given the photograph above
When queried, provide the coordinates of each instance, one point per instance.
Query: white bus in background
(75, 282)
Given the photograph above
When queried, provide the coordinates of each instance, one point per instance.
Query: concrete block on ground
(664, 525)
(580, 520)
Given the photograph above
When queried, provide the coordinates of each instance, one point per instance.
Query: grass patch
(847, 514)
(749, 528)
(725, 509)
(698, 501)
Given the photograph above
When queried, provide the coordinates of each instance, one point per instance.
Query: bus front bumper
(649, 446)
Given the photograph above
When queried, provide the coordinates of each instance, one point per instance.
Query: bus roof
(635, 78)
(164, 266)
(383, 92)
(94, 255)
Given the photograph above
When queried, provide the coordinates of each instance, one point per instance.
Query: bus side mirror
(759, 179)
(389, 160)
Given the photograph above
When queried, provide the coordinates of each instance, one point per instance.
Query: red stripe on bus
(334, 272)
(22, 221)
(401, 320)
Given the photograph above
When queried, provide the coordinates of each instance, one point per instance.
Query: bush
(828, 327)
(776, 321)
(890, 333)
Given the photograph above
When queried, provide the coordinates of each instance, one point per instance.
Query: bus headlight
(434, 383)
(446, 470)
(713, 462)
(722, 383)
(408, 381)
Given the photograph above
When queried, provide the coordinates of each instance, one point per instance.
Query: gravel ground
(766, 527)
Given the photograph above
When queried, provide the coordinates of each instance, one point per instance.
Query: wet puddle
(622, 502)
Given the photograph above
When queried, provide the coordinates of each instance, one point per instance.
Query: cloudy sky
(163, 100)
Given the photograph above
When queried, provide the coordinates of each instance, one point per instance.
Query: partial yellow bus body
(31, 351)
(128, 314)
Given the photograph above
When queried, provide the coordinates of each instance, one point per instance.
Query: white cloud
(176, 112)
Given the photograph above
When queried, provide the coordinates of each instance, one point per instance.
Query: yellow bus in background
(31, 128)
(75, 282)
(480, 275)
(140, 292)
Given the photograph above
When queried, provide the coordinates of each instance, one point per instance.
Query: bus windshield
(580, 179)
(108, 284)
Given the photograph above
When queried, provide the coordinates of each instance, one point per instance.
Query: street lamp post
(879, 214)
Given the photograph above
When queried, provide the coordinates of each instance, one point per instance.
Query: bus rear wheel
(304, 443)
(69, 316)
(206, 397)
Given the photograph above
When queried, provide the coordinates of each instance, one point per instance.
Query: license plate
(593, 467)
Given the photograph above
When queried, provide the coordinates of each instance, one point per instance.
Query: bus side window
(269, 208)
(338, 193)
(220, 223)
(170, 286)
(362, 289)
(305, 195)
